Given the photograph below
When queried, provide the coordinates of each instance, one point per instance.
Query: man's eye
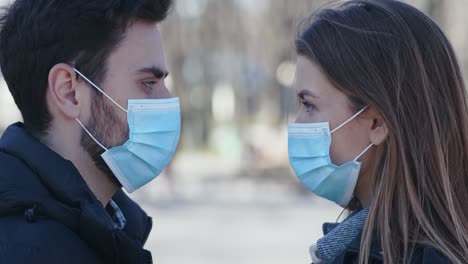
(150, 84)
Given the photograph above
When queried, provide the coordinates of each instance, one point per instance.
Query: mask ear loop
(89, 133)
(364, 151)
(100, 90)
(349, 120)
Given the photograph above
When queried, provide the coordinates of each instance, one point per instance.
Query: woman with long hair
(383, 132)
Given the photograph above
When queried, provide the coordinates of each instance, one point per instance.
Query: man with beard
(88, 78)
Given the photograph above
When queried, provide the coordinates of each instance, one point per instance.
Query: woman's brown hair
(390, 56)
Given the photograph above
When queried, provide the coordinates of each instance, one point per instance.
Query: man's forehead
(141, 48)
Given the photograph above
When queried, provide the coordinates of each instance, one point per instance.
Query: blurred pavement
(233, 220)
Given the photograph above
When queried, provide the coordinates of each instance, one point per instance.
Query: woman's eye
(308, 106)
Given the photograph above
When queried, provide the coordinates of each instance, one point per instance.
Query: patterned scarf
(337, 237)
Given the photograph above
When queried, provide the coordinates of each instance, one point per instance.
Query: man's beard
(106, 127)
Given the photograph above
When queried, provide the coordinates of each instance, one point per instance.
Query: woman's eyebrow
(306, 92)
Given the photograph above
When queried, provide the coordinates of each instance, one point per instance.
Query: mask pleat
(154, 156)
(161, 140)
(316, 176)
(136, 173)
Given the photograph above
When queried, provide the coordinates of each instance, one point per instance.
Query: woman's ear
(378, 130)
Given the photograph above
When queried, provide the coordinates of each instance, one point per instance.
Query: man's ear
(378, 130)
(64, 90)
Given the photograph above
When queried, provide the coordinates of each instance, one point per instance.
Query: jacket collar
(58, 191)
(63, 181)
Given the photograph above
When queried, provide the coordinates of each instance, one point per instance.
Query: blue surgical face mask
(154, 127)
(309, 156)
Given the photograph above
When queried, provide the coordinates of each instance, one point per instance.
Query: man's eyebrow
(157, 72)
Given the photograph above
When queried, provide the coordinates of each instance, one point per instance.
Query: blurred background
(229, 196)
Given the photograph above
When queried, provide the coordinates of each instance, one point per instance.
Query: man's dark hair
(38, 34)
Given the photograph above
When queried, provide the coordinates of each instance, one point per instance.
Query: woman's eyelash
(309, 107)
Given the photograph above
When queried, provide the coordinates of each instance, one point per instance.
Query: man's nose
(162, 92)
